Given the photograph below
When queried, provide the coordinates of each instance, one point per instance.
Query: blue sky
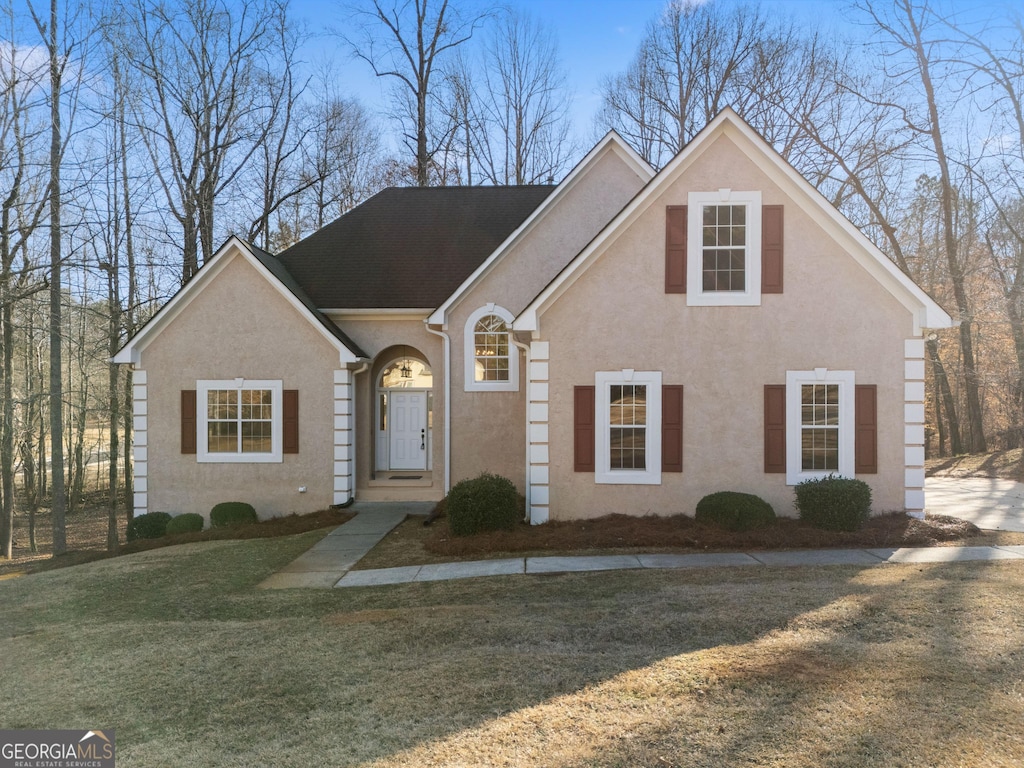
(596, 38)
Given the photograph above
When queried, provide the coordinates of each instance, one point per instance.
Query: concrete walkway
(332, 557)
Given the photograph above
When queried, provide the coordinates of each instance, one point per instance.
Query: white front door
(407, 414)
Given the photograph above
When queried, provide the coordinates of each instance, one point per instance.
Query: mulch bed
(684, 533)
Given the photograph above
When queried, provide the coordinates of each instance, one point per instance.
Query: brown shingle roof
(407, 246)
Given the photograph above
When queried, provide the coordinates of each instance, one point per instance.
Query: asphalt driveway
(989, 503)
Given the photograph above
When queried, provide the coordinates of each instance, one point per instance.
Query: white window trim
(603, 473)
(847, 433)
(696, 296)
(203, 454)
(471, 384)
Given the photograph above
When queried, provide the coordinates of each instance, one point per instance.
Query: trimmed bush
(232, 513)
(151, 525)
(735, 511)
(185, 523)
(834, 503)
(485, 503)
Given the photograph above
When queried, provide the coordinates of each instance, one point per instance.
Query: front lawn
(178, 652)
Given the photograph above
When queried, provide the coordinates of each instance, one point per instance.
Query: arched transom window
(492, 361)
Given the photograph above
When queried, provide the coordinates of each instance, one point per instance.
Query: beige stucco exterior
(488, 428)
(238, 325)
(617, 315)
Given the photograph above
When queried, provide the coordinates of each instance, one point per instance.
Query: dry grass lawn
(893, 665)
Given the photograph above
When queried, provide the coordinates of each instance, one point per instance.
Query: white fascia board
(611, 142)
(131, 352)
(925, 310)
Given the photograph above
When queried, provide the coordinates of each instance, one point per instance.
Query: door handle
(423, 439)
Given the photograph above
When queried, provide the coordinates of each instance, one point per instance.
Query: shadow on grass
(789, 666)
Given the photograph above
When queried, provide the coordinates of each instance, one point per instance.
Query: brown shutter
(675, 249)
(771, 248)
(583, 439)
(290, 421)
(775, 428)
(866, 437)
(672, 428)
(188, 421)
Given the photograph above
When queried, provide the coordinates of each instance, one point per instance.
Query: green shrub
(485, 503)
(834, 503)
(185, 523)
(151, 525)
(735, 511)
(232, 513)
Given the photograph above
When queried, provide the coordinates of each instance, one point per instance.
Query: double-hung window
(239, 420)
(723, 258)
(820, 433)
(628, 427)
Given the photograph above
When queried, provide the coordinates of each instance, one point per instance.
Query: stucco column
(537, 405)
(913, 417)
(344, 445)
(140, 443)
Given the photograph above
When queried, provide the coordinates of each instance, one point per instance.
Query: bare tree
(200, 99)
(57, 57)
(408, 41)
(518, 119)
(698, 58)
(911, 35)
(21, 209)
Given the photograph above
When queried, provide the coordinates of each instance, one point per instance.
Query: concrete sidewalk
(329, 562)
(523, 565)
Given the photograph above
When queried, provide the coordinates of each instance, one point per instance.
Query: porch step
(398, 493)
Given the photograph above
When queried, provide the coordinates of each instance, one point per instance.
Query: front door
(407, 413)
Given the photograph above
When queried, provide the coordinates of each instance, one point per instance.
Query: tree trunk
(945, 394)
(59, 503)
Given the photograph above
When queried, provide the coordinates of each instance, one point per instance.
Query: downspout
(355, 445)
(526, 379)
(447, 345)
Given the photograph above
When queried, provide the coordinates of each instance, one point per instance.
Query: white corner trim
(140, 442)
(344, 453)
(538, 477)
(913, 427)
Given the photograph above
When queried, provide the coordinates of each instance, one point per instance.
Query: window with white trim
(239, 421)
(628, 427)
(820, 432)
(723, 259)
(492, 360)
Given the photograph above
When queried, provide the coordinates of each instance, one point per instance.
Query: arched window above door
(417, 375)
